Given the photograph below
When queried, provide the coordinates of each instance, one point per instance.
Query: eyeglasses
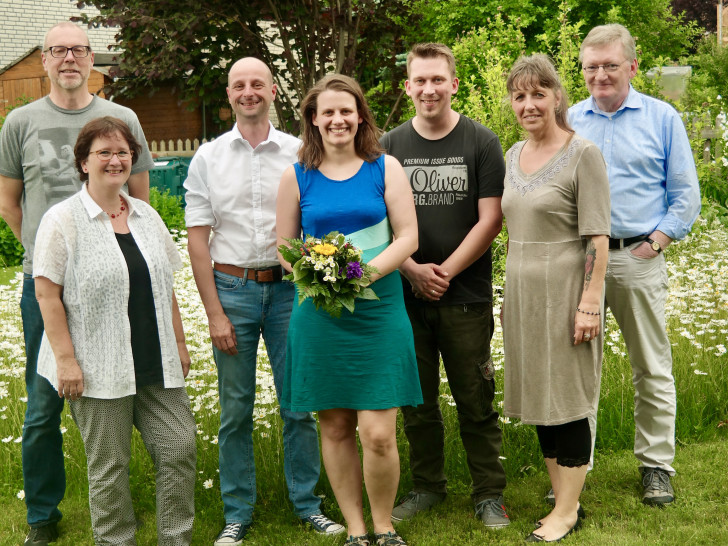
(60, 52)
(106, 155)
(606, 67)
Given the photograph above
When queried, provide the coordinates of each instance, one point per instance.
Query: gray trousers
(167, 426)
(636, 293)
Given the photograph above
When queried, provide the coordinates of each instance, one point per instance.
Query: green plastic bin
(169, 173)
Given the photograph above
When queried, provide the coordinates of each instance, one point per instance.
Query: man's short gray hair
(65, 24)
(608, 34)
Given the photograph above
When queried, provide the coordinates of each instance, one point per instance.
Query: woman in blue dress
(355, 370)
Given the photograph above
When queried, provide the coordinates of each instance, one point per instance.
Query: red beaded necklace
(123, 208)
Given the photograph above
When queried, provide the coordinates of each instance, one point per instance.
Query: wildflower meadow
(698, 327)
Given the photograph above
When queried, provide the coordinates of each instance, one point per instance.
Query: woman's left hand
(184, 357)
(586, 326)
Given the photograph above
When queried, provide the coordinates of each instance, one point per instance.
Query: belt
(271, 274)
(621, 243)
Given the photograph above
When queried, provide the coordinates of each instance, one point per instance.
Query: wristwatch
(654, 244)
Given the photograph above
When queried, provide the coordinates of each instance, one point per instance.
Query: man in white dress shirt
(231, 187)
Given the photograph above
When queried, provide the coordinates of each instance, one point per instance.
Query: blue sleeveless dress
(364, 360)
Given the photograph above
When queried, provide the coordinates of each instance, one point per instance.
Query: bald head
(248, 66)
(67, 30)
(250, 91)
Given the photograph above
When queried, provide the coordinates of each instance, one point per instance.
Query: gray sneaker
(492, 513)
(657, 490)
(415, 502)
(550, 498)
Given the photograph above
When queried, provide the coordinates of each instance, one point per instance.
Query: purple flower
(353, 270)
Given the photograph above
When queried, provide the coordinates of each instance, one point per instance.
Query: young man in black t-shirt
(456, 170)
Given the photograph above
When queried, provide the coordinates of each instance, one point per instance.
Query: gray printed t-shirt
(36, 146)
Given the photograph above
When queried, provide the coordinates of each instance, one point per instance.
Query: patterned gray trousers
(167, 426)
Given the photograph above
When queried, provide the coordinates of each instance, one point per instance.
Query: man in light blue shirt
(655, 200)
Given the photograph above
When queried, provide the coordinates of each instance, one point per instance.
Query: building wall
(23, 24)
(164, 117)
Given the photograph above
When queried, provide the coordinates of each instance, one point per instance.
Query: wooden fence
(179, 148)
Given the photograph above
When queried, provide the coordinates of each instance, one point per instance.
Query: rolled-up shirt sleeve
(198, 208)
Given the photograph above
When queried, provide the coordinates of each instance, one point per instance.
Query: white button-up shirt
(232, 188)
(76, 248)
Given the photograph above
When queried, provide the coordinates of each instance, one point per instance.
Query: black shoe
(533, 537)
(40, 536)
(580, 514)
(657, 490)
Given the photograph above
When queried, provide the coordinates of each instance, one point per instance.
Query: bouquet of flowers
(330, 271)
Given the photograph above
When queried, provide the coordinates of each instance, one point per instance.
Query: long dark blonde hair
(538, 69)
(366, 143)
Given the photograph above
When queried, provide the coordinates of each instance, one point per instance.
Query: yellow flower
(326, 249)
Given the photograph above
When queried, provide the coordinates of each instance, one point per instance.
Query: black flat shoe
(533, 537)
(580, 514)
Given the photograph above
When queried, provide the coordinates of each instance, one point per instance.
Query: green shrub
(11, 251)
(170, 209)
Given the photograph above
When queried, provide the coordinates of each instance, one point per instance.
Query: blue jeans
(253, 309)
(44, 476)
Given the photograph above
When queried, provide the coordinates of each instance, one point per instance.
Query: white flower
(698, 372)
(207, 484)
(21, 494)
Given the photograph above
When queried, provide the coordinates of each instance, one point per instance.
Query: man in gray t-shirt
(37, 170)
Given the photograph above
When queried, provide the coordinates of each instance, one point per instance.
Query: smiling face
(336, 117)
(67, 73)
(431, 86)
(113, 172)
(250, 90)
(609, 89)
(535, 107)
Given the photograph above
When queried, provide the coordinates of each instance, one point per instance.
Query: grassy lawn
(698, 327)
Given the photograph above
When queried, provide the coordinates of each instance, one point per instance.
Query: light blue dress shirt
(652, 177)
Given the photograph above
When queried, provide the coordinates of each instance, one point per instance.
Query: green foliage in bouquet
(330, 271)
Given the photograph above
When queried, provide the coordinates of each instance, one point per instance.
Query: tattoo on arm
(591, 257)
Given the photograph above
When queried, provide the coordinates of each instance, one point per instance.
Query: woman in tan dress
(556, 204)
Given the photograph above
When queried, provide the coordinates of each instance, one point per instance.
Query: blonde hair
(608, 34)
(431, 50)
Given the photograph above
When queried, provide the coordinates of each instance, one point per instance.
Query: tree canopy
(191, 44)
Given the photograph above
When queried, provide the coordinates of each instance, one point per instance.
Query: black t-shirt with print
(448, 176)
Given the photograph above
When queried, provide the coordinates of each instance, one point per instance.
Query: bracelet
(589, 312)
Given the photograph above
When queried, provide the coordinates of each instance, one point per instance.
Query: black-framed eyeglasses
(106, 155)
(611, 67)
(60, 52)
